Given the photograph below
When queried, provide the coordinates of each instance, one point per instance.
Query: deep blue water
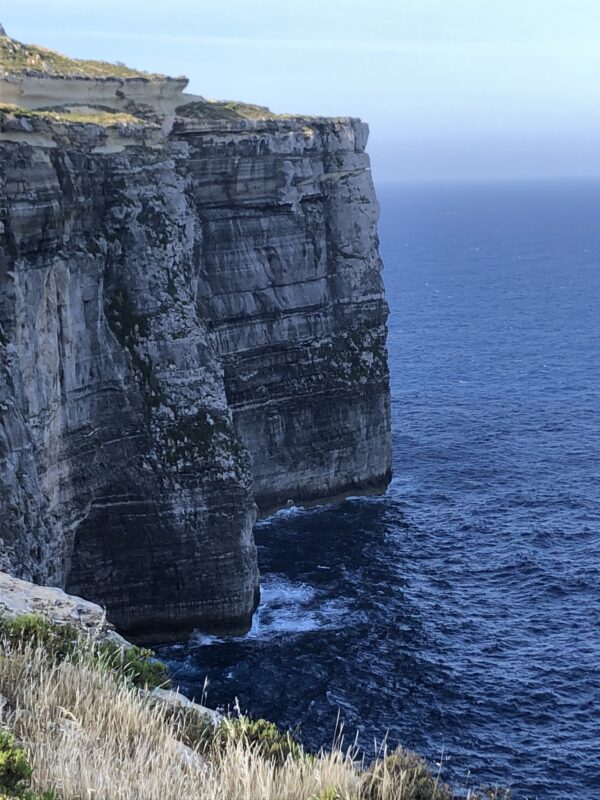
(460, 612)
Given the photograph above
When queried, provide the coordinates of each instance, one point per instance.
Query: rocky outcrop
(192, 318)
(20, 597)
(34, 78)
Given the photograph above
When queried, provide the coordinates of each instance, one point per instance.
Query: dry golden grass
(91, 736)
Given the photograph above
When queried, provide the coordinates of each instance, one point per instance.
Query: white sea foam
(293, 608)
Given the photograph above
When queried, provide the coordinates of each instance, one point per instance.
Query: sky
(451, 89)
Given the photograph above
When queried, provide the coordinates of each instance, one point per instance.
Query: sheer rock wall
(190, 322)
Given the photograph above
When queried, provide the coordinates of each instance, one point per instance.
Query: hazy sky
(450, 88)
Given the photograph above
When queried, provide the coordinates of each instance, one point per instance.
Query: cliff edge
(192, 322)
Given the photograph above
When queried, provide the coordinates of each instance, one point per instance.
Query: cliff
(192, 319)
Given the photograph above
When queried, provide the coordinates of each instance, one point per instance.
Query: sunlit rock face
(192, 319)
(290, 286)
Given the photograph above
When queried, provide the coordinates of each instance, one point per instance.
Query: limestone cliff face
(192, 317)
(290, 287)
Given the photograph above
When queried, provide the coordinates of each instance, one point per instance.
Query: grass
(78, 727)
(104, 118)
(236, 110)
(133, 665)
(225, 109)
(18, 58)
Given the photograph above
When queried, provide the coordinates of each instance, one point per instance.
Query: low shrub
(135, 665)
(59, 641)
(259, 735)
(191, 726)
(402, 774)
(489, 793)
(15, 772)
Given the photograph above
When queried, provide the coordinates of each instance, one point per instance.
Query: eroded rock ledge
(192, 319)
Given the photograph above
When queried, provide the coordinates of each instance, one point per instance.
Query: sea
(459, 613)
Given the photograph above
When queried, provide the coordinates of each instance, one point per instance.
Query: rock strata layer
(192, 319)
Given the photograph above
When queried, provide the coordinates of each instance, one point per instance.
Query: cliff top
(17, 58)
(41, 83)
(206, 110)
(225, 109)
(93, 116)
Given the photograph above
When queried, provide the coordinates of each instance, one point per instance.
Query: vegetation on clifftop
(74, 724)
(17, 58)
(103, 118)
(225, 109)
(134, 665)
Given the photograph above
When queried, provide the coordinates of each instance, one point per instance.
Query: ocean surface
(460, 612)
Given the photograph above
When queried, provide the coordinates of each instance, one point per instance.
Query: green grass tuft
(333, 793)
(58, 641)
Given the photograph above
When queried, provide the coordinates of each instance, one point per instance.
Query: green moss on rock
(196, 436)
(129, 326)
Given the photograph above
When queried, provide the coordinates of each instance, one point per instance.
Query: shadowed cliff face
(188, 322)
